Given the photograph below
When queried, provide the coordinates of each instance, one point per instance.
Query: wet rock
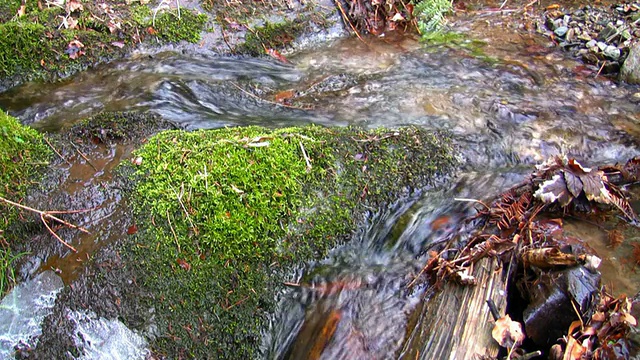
(22, 311)
(550, 311)
(561, 31)
(630, 71)
(612, 52)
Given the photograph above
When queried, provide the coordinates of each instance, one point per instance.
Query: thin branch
(265, 100)
(46, 215)
(346, 19)
(473, 200)
(44, 221)
(83, 156)
(173, 231)
(306, 158)
(55, 151)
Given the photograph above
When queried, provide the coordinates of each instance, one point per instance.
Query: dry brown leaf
(74, 5)
(508, 332)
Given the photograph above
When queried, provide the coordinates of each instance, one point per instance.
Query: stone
(630, 71)
(612, 52)
(561, 31)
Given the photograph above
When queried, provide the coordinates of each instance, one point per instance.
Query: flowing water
(509, 104)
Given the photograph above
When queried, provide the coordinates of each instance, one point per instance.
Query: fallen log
(455, 323)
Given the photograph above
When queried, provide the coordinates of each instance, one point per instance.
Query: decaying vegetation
(524, 229)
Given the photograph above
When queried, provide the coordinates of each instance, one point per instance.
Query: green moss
(225, 211)
(272, 36)
(27, 39)
(23, 156)
(187, 27)
(109, 127)
(36, 46)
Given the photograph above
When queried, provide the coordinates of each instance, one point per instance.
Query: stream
(510, 103)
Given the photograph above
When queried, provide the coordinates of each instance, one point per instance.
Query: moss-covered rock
(23, 156)
(224, 213)
(272, 36)
(54, 42)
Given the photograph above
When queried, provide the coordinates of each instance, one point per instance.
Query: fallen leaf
(151, 31)
(574, 184)
(132, 229)
(74, 49)
(113, 26)
(276, 55)
(183, 264)
(554, 190)
(119, 44)
(397, 17)
(283, 96)
(508, 332)
(74, 5)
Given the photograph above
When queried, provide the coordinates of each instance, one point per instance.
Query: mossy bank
(23, 157)
(57, 41)
(224, 215)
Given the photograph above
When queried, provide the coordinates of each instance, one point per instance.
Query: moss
(36, 46)
(272, 36)
(109, 127)
(223, 212)
(23, 156)
(187, 27)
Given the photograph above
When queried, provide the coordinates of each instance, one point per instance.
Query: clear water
(515, 104)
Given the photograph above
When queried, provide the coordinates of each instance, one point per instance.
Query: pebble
(561, 31)
(612, 52)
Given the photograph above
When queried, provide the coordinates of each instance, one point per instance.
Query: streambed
(509, 103)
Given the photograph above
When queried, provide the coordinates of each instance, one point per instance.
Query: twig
(264, 100)
(83, 156)
(473, 200)
(306, 158)
(346, 19)
(46, 214)
(494, 310)
(173, 231)
(184, 208)
(56, 235)
(601, 67)
(55, 151)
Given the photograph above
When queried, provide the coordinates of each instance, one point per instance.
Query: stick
(346, 18)
(56, 235)
(306, 158)
(46, 215)
(173, 232)
(83, 156)
(264, 100)
(472, 200)
(55, 151)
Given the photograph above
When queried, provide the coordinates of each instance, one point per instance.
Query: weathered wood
(456, 323)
